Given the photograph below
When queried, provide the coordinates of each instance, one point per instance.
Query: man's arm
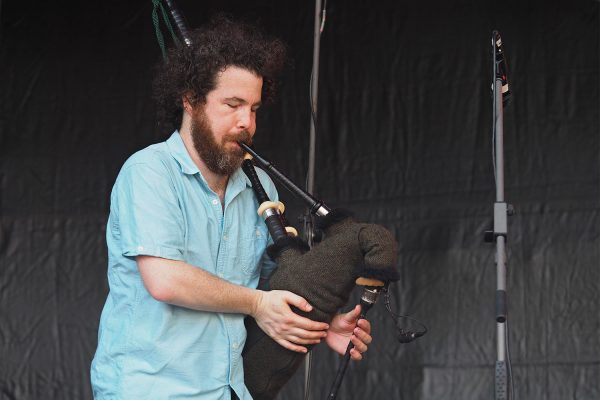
(181, 284)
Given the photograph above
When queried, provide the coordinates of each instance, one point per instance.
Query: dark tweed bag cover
(325, 276)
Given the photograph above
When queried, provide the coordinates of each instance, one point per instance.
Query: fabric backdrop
(404, 140)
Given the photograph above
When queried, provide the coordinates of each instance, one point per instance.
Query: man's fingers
(306, 334)
(298, 301)
(359, 345)
(355, 355)
(352, 316)
(300, 340)
(365, 325)
(363, 336)
(301, 337)
(307, 324)
(291, 346)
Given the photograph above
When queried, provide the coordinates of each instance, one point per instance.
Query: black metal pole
(500, 219)
(310, 179)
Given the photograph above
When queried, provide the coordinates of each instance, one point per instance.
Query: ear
(187, 105)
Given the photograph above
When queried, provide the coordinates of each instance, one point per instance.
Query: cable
(313, 114)
(159, 35)
(494, 116)
(404, 336)
(494, 154)
(508, 362)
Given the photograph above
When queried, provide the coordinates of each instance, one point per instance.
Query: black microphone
(501, 66)
(404, 336)
(408, 336)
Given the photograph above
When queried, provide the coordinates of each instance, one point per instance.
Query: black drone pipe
(272, 215)
(316, 206)
(179, 22)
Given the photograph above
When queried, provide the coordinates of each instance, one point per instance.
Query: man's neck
(217, 182)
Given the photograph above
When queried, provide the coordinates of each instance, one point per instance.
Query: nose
(246, 119)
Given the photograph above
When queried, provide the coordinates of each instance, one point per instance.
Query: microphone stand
(501, 211)
(309, 232)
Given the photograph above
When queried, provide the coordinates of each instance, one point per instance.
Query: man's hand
(275, 317)
(344, 329)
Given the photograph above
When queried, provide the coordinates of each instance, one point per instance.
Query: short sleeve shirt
(162, 206)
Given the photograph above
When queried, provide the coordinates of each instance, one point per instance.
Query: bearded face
(217, 157)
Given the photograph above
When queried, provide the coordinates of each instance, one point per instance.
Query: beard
(216, 157)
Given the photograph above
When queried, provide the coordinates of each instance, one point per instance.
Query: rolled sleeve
(149, 215)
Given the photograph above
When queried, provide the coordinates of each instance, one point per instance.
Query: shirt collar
(181, 155)
(238, 181)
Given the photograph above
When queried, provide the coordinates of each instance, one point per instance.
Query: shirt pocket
(253, 246)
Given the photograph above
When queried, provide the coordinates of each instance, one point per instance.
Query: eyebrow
(242, 101)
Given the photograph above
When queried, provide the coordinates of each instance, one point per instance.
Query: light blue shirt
(162, 206)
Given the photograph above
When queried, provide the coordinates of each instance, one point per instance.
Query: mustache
(243, 136)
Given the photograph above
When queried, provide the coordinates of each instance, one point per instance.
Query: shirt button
(235, 345)
(220, 274)
(215, 201)
(224, 237)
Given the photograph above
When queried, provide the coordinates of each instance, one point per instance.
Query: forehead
(237, 82)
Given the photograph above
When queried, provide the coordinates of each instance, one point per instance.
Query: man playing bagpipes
(187, 247)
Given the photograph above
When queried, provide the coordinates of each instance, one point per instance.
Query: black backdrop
(404, 140)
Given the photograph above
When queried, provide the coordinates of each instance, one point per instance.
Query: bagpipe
(349, 254)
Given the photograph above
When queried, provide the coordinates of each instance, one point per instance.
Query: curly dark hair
(223, 42)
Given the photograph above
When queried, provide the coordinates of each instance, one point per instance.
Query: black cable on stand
(501, 94)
